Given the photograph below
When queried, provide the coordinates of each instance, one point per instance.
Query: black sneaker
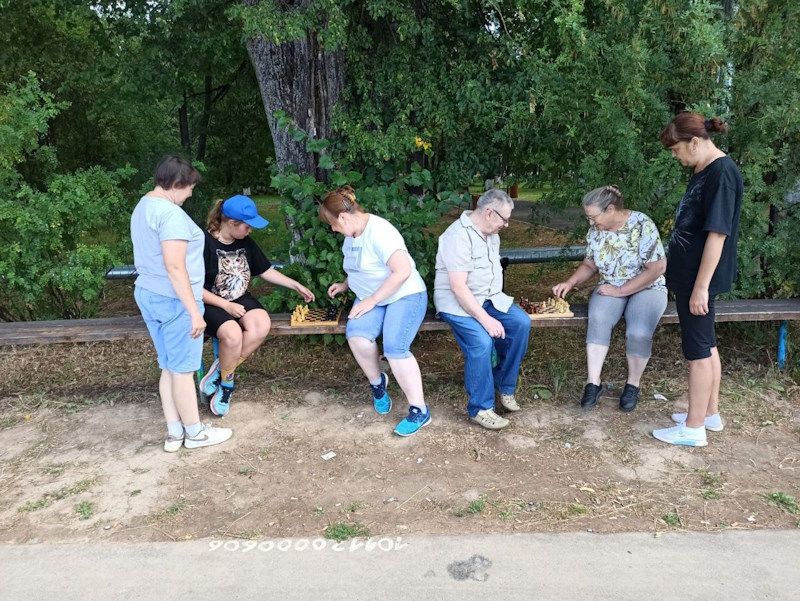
(629, 398)
(591, 393)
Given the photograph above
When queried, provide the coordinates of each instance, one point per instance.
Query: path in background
(566, 219)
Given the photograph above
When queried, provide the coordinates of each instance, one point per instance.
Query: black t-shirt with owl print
(712, 203)
(229, 267)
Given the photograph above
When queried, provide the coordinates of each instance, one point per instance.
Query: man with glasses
(490, 329)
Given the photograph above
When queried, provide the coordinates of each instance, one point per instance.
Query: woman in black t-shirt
(701, 263)
(234, 316)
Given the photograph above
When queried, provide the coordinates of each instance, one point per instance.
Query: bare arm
(585, 270)
(273, 276)
(174, 253)
(400, 268)
(712, 251)
(468, 302)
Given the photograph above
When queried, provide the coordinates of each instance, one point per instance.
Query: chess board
(302, 316)
(548, 309)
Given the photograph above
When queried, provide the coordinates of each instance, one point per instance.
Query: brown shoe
(509, 402)
(489, 420)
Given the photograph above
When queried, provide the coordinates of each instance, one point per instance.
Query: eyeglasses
(505, 221)
(593, 218)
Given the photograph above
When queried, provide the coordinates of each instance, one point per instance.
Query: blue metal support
(782, 334)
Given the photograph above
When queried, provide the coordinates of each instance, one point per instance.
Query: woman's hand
(198, 325)
(337, 288)
(609, 290)
(362, 307)
(561, 290)
(307, 295)
(235, 310)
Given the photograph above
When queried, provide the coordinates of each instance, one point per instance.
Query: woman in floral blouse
(624, 246)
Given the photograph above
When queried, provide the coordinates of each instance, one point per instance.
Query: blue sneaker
(210, 382)
(415, 420)
(380, 398)
(220, 403)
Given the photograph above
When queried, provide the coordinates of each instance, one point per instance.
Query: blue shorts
(170, 327)
(398, 322)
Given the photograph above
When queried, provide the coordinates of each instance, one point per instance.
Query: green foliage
(55, 259)
(341, 531)
(316, 250)
(765, 137)
(784, 502)
(85, 510)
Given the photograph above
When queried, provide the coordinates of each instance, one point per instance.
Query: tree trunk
(305, 82)
(183, 122)
(204, 118)
(302, 80)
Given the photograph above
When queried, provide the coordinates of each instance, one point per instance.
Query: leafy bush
(316, 250)
(54, 237)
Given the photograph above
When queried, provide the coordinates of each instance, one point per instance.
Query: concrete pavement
(534, 567)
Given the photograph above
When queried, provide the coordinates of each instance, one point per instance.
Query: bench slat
(123, 328)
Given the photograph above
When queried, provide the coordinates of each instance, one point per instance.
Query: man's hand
(493, 327)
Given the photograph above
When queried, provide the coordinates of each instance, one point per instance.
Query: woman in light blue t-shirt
(391, 301)
(168, 254)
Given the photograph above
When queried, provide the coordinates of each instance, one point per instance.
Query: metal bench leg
(782, 343)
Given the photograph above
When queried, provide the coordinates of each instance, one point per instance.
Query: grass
(85, 510)
(784, 502)
(352, 507)
(62, 493)
(341, 531)
(671, 519)
(174, 509)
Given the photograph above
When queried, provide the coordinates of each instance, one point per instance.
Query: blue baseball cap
(242, 208)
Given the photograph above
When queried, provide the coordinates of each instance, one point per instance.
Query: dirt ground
(81, 435)
(81, 454)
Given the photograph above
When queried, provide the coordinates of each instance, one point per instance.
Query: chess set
(302, 316)
(552, 307)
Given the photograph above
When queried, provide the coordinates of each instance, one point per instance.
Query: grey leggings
(642, 312)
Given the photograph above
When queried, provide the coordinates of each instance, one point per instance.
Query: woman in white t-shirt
(391, 300)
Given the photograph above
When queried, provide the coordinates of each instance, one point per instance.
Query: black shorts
(216, 316)
(698, 335)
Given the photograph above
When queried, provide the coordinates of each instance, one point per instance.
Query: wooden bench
(124, 328)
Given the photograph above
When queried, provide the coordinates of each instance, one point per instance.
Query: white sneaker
(713, 423)
(509, 402)
(208, 435)
(490, 420)
(173, 444)
(680, 435)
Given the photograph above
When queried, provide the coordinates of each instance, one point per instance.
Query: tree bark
(305, 82)
(204, 118)
(183, 121)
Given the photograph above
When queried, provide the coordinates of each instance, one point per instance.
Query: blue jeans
(480, 379)
(399, 323)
